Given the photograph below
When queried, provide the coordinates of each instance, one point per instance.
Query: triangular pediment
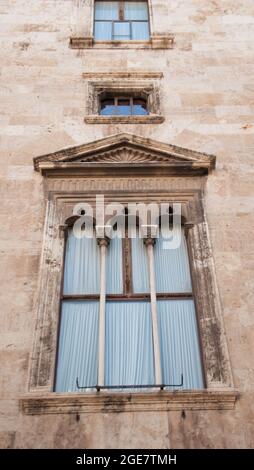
(125, 151)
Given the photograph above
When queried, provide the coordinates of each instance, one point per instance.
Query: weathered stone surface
(207, 100)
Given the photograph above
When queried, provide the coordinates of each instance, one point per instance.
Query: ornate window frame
(82, 32)
(140, 83)
(119, 167)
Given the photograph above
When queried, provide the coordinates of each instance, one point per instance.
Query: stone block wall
(207, 99)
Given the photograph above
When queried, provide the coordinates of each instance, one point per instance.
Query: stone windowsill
(148, 119)
(35, 403)
(163, 41)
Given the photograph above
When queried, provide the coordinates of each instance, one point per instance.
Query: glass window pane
(103, 30)
(123, 107)
(114, 267)
(140, 31)
(78, 346)
(172, 266)
(129, 345)
(121, 31)
(136, 11)
(179, 344)
(82, 266)
(107, 107)
(123, 110)
(139, 107)
(106, 11)
(108, 111)
(140, 277)
(123, 102)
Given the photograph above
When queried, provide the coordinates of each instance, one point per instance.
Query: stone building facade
(195, 147)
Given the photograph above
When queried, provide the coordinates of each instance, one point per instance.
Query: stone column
(103, 244)
(149, 242)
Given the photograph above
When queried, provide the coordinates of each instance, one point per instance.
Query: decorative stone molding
(104, 402)
(115, 154)
(123, 75)
(126, 167)
(140, 85)
(149, 119)
(157, 41)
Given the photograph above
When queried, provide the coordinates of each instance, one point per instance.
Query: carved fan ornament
(127, 155)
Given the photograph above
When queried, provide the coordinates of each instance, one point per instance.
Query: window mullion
(131, 106)
(149, 242)
(127, 264)
(121, 10)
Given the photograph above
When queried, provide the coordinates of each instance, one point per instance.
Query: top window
(121, 21)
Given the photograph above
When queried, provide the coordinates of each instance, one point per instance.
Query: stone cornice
(105, 402)
(147, 119)
(123, 75)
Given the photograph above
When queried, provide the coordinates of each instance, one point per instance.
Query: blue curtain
(136, 11)
(82, 266)
(103, 31)
(114, 267)
(172, 267)
(140, 276)
(106, 11)
(179, 344)
(122, 31)
(129, 348)
(78, 346)
(140, 31)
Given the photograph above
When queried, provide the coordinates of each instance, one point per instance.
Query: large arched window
(128, 315)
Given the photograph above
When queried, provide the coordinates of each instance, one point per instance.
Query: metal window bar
(111, 387)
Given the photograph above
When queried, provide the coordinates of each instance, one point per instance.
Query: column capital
(103, 241)
(149, 241)
(63, 230)
(187, 226)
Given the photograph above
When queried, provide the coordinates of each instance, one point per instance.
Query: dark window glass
(139, 107)
(123, 107)
(117, 106)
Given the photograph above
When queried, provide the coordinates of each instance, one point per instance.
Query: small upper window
(121, 20)
(123, 106)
